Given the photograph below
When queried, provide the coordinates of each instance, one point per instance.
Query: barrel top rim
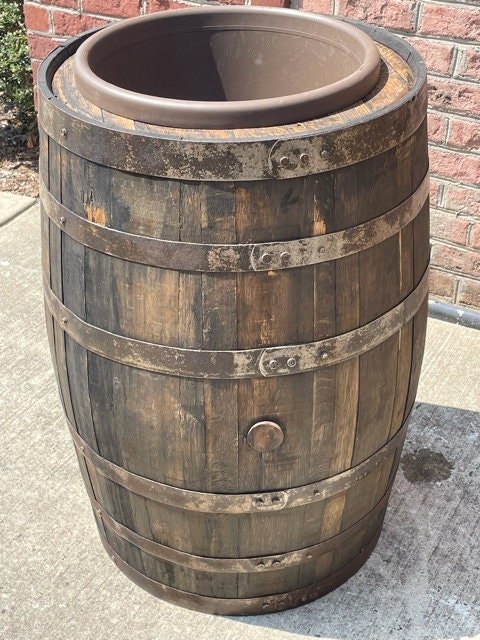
(309, 128)
(344, 86)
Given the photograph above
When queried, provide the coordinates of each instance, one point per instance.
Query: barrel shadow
(422, 582)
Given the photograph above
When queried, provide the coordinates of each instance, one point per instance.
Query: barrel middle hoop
(264, 502)
(247, 363)
(261, 160)
(263, 256)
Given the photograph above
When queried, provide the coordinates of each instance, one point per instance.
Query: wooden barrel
(237, 320)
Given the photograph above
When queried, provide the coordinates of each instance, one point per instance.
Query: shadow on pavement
(423, 580)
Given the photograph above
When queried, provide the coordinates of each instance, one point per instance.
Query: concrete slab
(421, 583)
(11, 204)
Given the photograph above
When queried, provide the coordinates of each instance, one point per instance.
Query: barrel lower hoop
(237, 502)
(191, 256)
(243, 606)
(237, 565)
(247, 363)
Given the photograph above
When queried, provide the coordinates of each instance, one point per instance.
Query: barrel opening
(225, 65)
(191, 66)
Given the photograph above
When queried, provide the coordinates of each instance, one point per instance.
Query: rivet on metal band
(263, 256)
(239, 565)
(248, 363)
(237, 503)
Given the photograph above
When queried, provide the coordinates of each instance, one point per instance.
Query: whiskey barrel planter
(237, 318)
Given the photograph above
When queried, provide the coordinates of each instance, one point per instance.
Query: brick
(437, 55)
(435, 192)
(447, 226)
(455, 165)
(317, 6)
(468, 293)
(437, 127)
(40, 46)
(115, 8)
(36, 17)
(450, 20)
(469, 66)
(269, 3)
(395, 14)
(462, 199)
(474, 240)
(69, 24)
(457, 259)
(442, 284)
(155, 6)
(455, 97)
(464, 134)
(35, 67)
(64, 4)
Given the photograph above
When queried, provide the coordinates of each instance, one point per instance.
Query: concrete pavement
(421, 583)
(11, 205)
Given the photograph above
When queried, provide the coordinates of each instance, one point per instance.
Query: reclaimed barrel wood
(236, 320)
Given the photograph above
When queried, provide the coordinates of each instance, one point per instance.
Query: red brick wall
(446, 33)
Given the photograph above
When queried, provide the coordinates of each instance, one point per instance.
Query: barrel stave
(256, 535)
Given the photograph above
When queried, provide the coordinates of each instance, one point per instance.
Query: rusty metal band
(238, 565)
(263, 256)
(243, 606)
(190, 155)
(247, 363)
(267, 501)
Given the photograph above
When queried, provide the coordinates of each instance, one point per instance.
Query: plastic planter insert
(225, 67)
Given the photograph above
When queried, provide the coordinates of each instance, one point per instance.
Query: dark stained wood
(45, 231)
(244, 606)
(195, 157)
(55, 252)
(191, 433)
(396, 78)
(73, 283)
(219, 305)
(405, 337)
(274, 307)
(190, 426)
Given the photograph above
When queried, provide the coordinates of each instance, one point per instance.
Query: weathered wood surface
(191, 432)
(389, 115)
